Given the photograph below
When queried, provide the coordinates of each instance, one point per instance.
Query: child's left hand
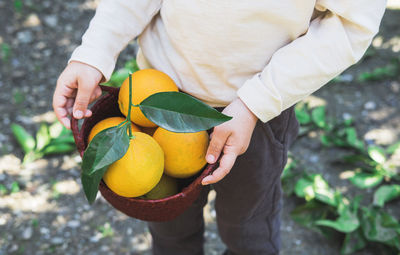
(232, 138)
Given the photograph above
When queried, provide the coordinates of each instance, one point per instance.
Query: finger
(217, 143)
(69, 105)
(60, 99)
(85, 90)
(226, 163)
(96, 94)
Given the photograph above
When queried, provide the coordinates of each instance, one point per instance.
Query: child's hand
(76, 88)
(232, 138)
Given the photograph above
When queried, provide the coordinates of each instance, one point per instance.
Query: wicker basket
(149, 210)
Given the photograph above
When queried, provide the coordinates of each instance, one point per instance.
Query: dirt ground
(50, 215)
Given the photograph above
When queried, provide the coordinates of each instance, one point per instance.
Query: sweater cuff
(95, 58)
(264, 101)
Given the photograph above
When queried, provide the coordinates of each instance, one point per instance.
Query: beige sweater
(270, 53)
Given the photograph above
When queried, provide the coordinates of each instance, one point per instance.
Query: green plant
(391, 70)
(330, 213)
(121, 74)
(311, 118)
(18, 4)
(372, 166)
(106, 230)
(53, 139)
(5, 52)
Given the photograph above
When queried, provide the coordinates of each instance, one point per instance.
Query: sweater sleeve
(334, 41)
(115, 23)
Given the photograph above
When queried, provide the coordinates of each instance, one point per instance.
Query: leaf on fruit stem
(106, 147)
(179, 112)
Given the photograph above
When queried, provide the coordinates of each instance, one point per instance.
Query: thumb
(85, 90)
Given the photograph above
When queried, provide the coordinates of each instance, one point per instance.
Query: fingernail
(205, 181)
(210, 158)
(78, 114)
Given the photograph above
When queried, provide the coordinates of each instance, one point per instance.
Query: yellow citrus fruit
(107, 123)
(145, 83)
(139, 170)
(184, 152)
(166, 187)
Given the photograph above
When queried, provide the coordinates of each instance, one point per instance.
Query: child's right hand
(77, 87)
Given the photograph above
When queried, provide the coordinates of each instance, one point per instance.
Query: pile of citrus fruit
(156, 157)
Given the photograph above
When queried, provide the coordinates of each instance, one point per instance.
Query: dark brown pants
(248, 200)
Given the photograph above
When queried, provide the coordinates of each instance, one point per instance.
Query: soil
(50, 215)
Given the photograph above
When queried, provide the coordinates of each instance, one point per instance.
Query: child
(254, 58)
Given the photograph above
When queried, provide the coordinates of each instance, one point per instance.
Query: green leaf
(379, 226)
(289, 178)
(42, 136)
(352, 138)
(318, 116)
(179, 112)
(57, 129)
(119, 76)
(105, 148)
(132, 65)
(304, 187)
(302, 115)
(323, 192)
(307, 214)
(386, 193)
(326, 140)
(5, 52)
(58, 148)
(14, 187)
(353, 242)
(391, 149)
(346, 223)
(377, 154)
(24, 139)
(366, 180)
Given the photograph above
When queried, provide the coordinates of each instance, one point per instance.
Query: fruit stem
(130, 105)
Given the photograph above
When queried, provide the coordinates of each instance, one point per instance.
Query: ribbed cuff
(263, 101)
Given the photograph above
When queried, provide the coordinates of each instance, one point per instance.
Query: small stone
(25, 36)
(2, 177)
(95, 238)
(44, 231)
(314, 158)
(57, 240)
(370, 105)
(346, 116)
(32, 21)
(73, 224)
(13, 248)
(395, 86)
(27, 234)
(297, 242)
(51, 20)
(129, 231)
(104, 248)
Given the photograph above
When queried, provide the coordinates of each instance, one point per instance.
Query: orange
(107, 123)
(139, 170)
(166, 187)
(184, 152)
(145, 83)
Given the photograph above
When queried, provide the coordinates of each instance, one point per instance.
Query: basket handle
(78, 136)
